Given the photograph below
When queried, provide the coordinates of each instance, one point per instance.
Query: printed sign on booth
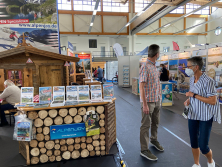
(67, 131)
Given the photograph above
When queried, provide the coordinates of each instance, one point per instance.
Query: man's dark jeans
(5, 107)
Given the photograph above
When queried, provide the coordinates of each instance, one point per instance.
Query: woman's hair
(162, 65)
(196, 61)
(8, 82)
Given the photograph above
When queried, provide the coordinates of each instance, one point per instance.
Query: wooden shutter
(28, 80)
(2, 80)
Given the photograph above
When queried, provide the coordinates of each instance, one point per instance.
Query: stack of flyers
(71, 103)
(96, 93)
(108, 92)
(27, 94)
(45, 95)
(72, 93)
(41, 105)
(20, 105)
(83, 93)
(84, 102)
(30, 104)
(57, 103)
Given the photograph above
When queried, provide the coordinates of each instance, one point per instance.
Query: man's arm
(143, 97)
(4, 94)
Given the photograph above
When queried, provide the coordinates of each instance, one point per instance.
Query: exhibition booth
(176, 62)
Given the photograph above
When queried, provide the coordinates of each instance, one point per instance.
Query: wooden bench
(10, 114)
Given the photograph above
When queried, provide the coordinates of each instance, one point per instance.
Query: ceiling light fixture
(94, 12)
(166, 25)
(91, 24)
(127, 24)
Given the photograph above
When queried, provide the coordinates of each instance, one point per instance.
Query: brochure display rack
(126, 76)
(135, 86)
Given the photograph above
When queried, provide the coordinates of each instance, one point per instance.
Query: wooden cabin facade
(46, 69)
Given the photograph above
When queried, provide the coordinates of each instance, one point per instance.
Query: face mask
(189, 72)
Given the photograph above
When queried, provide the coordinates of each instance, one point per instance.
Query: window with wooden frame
(16, 76)
(64, 5)
(112, 6)
(179, 10)
(85, 5)
(191, 7)
(140, 5)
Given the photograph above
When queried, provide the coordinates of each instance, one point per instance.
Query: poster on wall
(215, 64)
(36, 19)
(184, 79)
(83, 62)
(70, 49)
(203, 54)
(173, 66)
(167, 96)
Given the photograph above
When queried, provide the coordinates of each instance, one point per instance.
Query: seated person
(12, 95)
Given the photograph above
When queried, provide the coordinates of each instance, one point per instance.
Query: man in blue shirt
(100, 73)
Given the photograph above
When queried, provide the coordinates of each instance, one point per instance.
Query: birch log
(44, 158)
(43, 114)
(82, 111)
(58, 120)
(72, 111)
(84, 153)
(100, 109)
(38, 122)
(53, 113)
(63, 112)
(75, 154)
(35, 152)
(48, 121)
(33, 143)
(32, 115)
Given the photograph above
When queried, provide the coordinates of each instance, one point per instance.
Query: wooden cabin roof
(32, 50)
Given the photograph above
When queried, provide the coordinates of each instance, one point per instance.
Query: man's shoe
(148, 155)
(195, 165)
(212, 164)
(157, 145)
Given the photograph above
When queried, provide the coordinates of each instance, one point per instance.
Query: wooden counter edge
(49, 108)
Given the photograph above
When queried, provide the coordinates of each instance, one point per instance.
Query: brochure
(24, 131)
(84, 102)
(108, 92)
(71, 103)
(71, 93)
(57, 103)
(91, 120)
(41, 105)
(45, 95)
(83, 92)
(96, 93)
(58, 93)
(30, 105)
(20, 105)
(27, 94)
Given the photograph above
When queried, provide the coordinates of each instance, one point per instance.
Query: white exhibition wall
(132, 62)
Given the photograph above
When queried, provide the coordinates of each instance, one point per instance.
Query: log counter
(43, 150)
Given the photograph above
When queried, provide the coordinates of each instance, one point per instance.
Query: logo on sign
(67, 131)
